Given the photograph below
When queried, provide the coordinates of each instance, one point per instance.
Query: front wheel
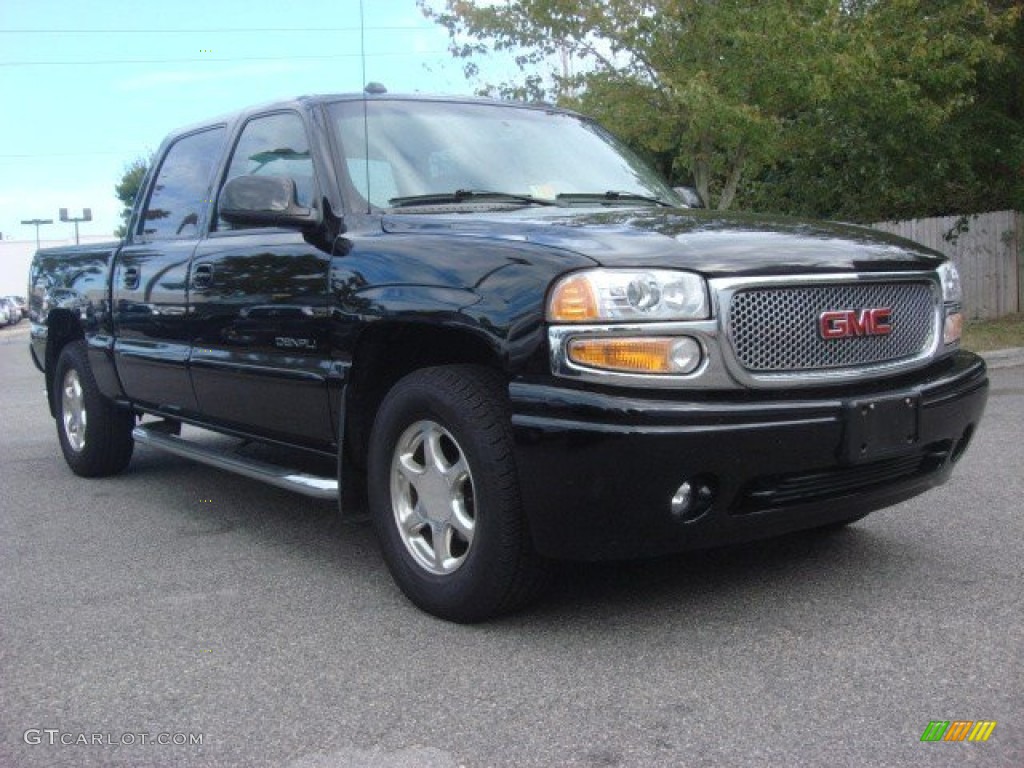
(444, 495)
(95, 435)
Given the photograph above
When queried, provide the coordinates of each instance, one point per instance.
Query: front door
(258, 303)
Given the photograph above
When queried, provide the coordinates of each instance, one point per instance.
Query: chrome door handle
(202, 276)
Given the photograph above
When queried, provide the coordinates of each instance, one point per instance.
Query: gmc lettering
(844, 323)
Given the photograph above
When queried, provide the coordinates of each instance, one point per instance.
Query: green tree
(832, 107)
(917, 118)
(701, 86)
(128, 188)
(994, 125)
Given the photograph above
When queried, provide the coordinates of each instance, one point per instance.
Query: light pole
(86, 216)
(38, 223)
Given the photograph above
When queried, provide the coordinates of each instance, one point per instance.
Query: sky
(87, 87)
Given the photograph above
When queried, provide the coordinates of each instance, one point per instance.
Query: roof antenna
(366, 119)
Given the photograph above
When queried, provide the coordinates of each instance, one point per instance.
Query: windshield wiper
(612, 195)
(466, 195)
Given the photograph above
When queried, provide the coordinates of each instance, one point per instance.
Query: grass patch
(987, 335)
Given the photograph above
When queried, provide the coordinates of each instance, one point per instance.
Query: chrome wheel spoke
(463, 525)
(433, 453)
(408, 467)
(420, 546)
(456, 472)
(412, 523)
(442, 547)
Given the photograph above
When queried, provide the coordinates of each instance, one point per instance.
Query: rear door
(258, 303)
(150, 281)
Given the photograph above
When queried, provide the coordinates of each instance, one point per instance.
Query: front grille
(785, 490)
(775, 330)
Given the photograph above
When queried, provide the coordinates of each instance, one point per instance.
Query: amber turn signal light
(953, 329)
(644, 354)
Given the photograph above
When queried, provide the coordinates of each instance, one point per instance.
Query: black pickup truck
(509, 333)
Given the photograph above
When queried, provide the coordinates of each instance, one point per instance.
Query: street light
(38, 223)
(86, 216)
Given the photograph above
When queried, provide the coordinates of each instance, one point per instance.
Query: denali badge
(844, 323)
(287, 342)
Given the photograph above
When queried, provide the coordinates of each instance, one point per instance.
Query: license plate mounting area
(878, 427)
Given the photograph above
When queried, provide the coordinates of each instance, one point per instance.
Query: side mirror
(689, 196)
(264, 201)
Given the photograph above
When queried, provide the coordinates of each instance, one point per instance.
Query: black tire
(100, 444)
(465, 409)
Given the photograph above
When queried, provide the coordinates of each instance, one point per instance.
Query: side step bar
(300, 482)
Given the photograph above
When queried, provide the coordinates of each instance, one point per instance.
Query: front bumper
(599, 469)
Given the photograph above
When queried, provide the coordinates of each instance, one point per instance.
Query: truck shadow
(806, 566)
(794, 575)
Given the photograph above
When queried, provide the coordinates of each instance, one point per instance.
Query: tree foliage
(913, 123)
(128, 188)
(861, 109)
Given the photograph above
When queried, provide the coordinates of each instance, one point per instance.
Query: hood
(712, 243)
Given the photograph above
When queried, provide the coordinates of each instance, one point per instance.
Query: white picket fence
(988, 250)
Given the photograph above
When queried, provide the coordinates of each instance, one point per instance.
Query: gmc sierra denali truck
(510, 333)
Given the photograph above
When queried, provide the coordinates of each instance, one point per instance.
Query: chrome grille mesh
(775, 330)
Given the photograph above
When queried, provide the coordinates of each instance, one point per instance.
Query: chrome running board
(282, 477)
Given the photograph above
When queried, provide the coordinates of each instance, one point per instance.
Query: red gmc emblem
(846, 323)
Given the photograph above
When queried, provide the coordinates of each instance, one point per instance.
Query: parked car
(5, 314)
(503, 327)
(13, 310)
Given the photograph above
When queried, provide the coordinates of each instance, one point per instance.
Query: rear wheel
(95, 436)
(444, 495)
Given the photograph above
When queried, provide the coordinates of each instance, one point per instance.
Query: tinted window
(274, 145)
(180, 196)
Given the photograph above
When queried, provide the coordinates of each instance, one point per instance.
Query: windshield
(419, 148)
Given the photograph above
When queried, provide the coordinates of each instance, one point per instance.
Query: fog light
(683, 500)
(639, 354)
(953, 328)
(692, 499)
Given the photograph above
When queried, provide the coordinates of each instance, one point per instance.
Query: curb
(1004, 358)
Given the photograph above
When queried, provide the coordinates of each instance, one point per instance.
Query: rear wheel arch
(62, 328)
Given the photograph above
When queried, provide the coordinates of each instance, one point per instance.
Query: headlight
(952, 291)
(627, 295)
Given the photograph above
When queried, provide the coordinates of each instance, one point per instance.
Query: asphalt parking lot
(178, 600)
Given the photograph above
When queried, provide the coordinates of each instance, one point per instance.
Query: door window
(180, 196)
(274, 145)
